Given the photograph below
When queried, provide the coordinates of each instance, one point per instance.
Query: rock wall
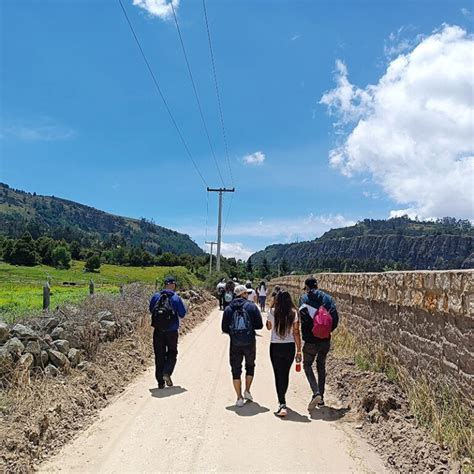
(424, 318)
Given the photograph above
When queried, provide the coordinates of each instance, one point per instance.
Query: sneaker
(239, 403)
(161, 385)
(248, 396)
(281, 411)
(315, 401)
(321, 402)
(168, 380)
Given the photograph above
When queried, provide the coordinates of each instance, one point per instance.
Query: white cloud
(236, 250)
(159, 8)
(255, 159)
(46, 130)
(295, 37)
(413, 130)
(467, 13)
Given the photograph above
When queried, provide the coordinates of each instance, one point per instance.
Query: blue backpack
(241, 329)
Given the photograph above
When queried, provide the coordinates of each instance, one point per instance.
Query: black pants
(165, 345)
(282, 356)
(236, 356)
(317, 351)
(221, 300)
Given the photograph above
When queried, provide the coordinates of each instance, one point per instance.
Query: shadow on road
(249, 409)
(328, 413)
(166, 392)
(294, 416)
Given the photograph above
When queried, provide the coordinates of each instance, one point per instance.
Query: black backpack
(163, 314)
(241, 328)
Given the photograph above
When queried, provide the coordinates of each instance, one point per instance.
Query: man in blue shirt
(165, 338)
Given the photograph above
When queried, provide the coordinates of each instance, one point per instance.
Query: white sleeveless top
(275, 336)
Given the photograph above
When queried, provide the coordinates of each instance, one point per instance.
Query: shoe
(321, 402)
(161, 385)
(168, 380)
(248, 396)
(239, 403)
(281, 411)
(315, 401)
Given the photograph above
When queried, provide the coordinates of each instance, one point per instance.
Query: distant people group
(297, 334)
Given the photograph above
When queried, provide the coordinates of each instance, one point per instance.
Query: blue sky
(82, 120)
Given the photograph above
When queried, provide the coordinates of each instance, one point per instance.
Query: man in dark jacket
(315, 348)
(165, 335)
(240, 319)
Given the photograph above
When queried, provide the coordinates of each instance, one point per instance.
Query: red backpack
(322, 323)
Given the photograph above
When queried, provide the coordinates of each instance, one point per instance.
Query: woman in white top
(283, 321)
(262, 295)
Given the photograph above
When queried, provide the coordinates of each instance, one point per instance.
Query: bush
(61, 257)
(92, 263)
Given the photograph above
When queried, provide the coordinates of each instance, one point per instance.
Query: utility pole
(210, 260)
(221, 191)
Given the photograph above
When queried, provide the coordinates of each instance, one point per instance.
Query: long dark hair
(284, 313)
(262, 283)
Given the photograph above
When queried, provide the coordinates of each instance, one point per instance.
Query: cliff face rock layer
(424, 318)
(417, 252)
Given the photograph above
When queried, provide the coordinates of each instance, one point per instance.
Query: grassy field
(21, 288)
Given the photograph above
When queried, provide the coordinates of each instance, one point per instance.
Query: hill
(69, 220)
(374, 245)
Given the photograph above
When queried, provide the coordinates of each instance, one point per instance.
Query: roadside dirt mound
(38, 418)
(384, 419)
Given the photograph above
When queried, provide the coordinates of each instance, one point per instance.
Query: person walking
(240, 320)
(262, 295)
(316, 347)
(285, 344)
(228, 294)
(166, 308)
(251, 293)
(220, 288)
(275, 292)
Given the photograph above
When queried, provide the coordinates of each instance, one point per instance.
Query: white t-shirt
(276, 337)
(262, 291)
(251, 295)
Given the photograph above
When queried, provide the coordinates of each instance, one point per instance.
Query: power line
(196, 94)
(217, 92)
(161, 95)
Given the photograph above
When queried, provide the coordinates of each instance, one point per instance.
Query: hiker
(316, 303)
(262, 295)
(285, 344)
(251, 293)
(275, 292)
(166, 308)
(220, 293)
(240, 320)
(228, 294)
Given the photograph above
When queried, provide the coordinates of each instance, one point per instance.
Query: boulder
(4, 332)
(15, 347)
(33, 347)
(84, 365)
(58, 333)
(6, 361)
(74, 356)
(50, 324)
(51, 371)
(58, 359)
(22, 369)
(23, 332)
(105, 316)
(62, 345)
(44, 357)
(108, 330)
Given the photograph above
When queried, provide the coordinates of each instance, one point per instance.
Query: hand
(298, 357)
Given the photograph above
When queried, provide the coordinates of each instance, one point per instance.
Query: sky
(333, 111)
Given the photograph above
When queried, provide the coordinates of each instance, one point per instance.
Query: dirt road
(194, 426)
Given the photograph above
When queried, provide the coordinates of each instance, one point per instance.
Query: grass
(435, 404)
(21, 288)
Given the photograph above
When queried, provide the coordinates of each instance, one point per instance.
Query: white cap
(239, 289)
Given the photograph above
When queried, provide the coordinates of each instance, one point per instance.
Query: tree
(284, 267)
(24, 252)
(62, 257)
(249, 266)
(75, 250)
(264, 268)
(92, 263)
(45, 246)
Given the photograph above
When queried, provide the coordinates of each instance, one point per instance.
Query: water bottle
(298, 367)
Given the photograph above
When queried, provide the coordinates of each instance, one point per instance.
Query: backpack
(241, 329)
(228, 297)
(322, 323)
(163, 314)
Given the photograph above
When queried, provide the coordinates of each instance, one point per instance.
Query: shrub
(92, 263)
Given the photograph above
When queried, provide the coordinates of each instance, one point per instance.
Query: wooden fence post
(91, 287)
(46, 296)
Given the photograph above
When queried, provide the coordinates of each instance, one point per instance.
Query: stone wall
(424, 318)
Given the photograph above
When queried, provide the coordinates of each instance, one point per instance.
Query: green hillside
(62, 219)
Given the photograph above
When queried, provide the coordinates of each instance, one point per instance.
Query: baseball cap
(239, 290)
(311, 283)
(170, 279)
